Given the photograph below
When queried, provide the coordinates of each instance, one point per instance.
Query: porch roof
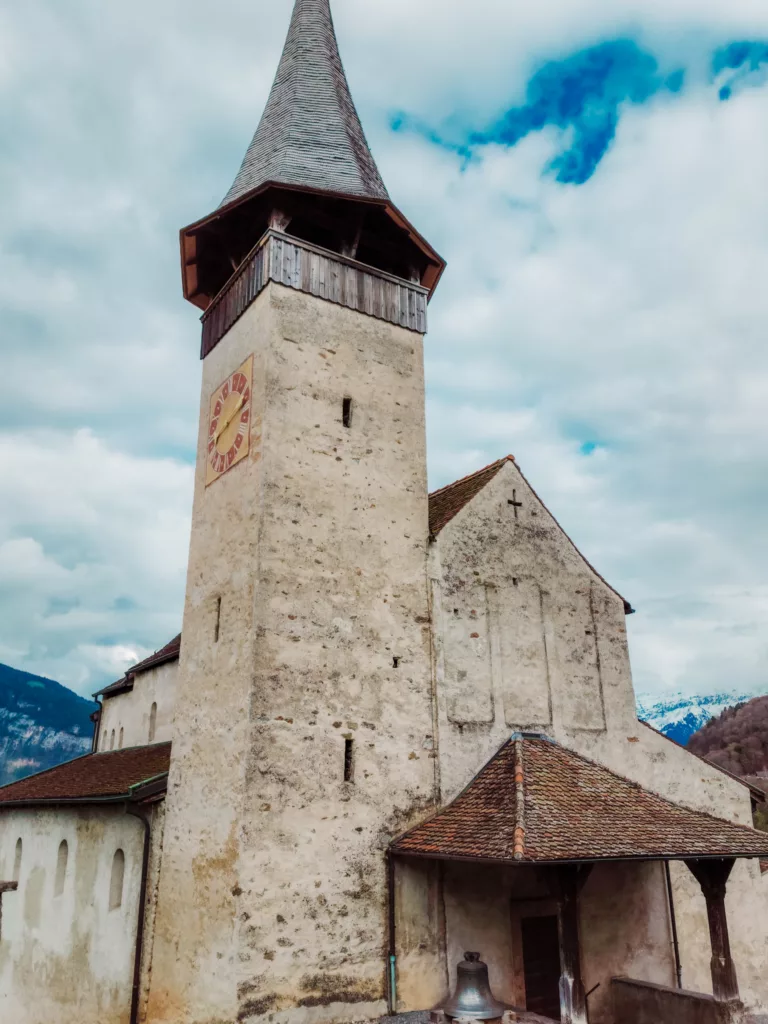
(538, 802)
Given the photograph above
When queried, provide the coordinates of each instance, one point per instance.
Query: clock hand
(223, 426)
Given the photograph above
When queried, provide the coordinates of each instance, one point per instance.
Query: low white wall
(68, 958)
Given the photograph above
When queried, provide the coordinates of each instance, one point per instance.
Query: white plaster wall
(131, 711)
(68, 958)
(550, 654)
(272, 896)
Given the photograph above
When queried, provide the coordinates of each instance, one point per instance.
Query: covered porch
(557, 870)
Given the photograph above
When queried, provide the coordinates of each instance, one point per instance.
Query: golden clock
(229, 422)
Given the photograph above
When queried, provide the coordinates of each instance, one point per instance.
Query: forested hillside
(42, 723)
(737, 739)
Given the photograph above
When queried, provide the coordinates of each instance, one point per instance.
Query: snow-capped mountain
(680, 715)
(42, 724)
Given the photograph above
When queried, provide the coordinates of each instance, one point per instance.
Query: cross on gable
(515, 503)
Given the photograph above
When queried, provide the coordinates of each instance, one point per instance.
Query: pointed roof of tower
(310, 134)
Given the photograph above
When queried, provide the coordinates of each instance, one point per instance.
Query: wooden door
(541, 965)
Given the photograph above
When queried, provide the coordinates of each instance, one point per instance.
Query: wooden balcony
(328, 275)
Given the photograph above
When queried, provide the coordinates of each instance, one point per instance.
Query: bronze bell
(473, 996)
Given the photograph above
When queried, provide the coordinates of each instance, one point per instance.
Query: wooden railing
(308, 268)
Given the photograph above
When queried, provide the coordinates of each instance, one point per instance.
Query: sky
(594, 172)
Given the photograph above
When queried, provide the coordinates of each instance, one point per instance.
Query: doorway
(541, 965)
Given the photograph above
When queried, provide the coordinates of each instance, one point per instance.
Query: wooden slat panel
(302, 266)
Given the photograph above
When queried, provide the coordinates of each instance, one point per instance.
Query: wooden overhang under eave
(188, 237)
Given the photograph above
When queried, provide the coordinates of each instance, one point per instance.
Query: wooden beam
(570, 880)
(712, 876)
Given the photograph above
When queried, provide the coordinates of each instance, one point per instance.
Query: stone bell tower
(304, 719)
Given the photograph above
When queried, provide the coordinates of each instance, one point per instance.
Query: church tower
(304, 726)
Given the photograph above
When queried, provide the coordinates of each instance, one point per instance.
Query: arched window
(120, 741)
(17, 861)
(61, 868)
(152, 722)
(112, 740)
(116, 881)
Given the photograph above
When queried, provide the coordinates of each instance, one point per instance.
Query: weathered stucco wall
(68, 957)
(528, 637)
(273, 896)
(132, 712)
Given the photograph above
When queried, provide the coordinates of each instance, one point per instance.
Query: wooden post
(573, 999)
(712, 876)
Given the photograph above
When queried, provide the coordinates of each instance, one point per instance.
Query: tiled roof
(109, 776)
(168, 653)
(446, 503)
(310, 134)
(449, 501)
(537, 802)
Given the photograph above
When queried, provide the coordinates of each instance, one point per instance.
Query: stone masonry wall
(273, 895)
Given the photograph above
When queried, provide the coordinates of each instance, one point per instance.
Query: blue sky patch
(743, 64)
(582, 95)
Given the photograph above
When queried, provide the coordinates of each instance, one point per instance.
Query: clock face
(229, 422)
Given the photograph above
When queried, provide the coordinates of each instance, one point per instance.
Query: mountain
(42, 723)
(737, 739)
(679, 716)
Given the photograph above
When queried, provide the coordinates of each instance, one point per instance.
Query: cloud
(626, 312)
(744, 63)
(93, 562)
(581, 96)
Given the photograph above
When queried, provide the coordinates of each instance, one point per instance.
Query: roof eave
(619, 859)
(138, 793)
(188, 243)
(113, 690)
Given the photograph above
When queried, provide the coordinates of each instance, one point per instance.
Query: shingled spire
(309, 173)
(310, 134)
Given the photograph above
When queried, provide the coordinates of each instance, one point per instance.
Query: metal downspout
(673, 921)
(136, 993)
(392, 955)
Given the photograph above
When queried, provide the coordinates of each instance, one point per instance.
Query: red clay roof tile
(574, 810)
(108, 776)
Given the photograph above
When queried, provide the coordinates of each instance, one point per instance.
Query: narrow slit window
(152, 722)
(396, 663)
(346, 412)
(120, 740)
(17, 860)
(217, 628)
(349, 760)
(116, 881)
(112, 740)
(61, 868)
